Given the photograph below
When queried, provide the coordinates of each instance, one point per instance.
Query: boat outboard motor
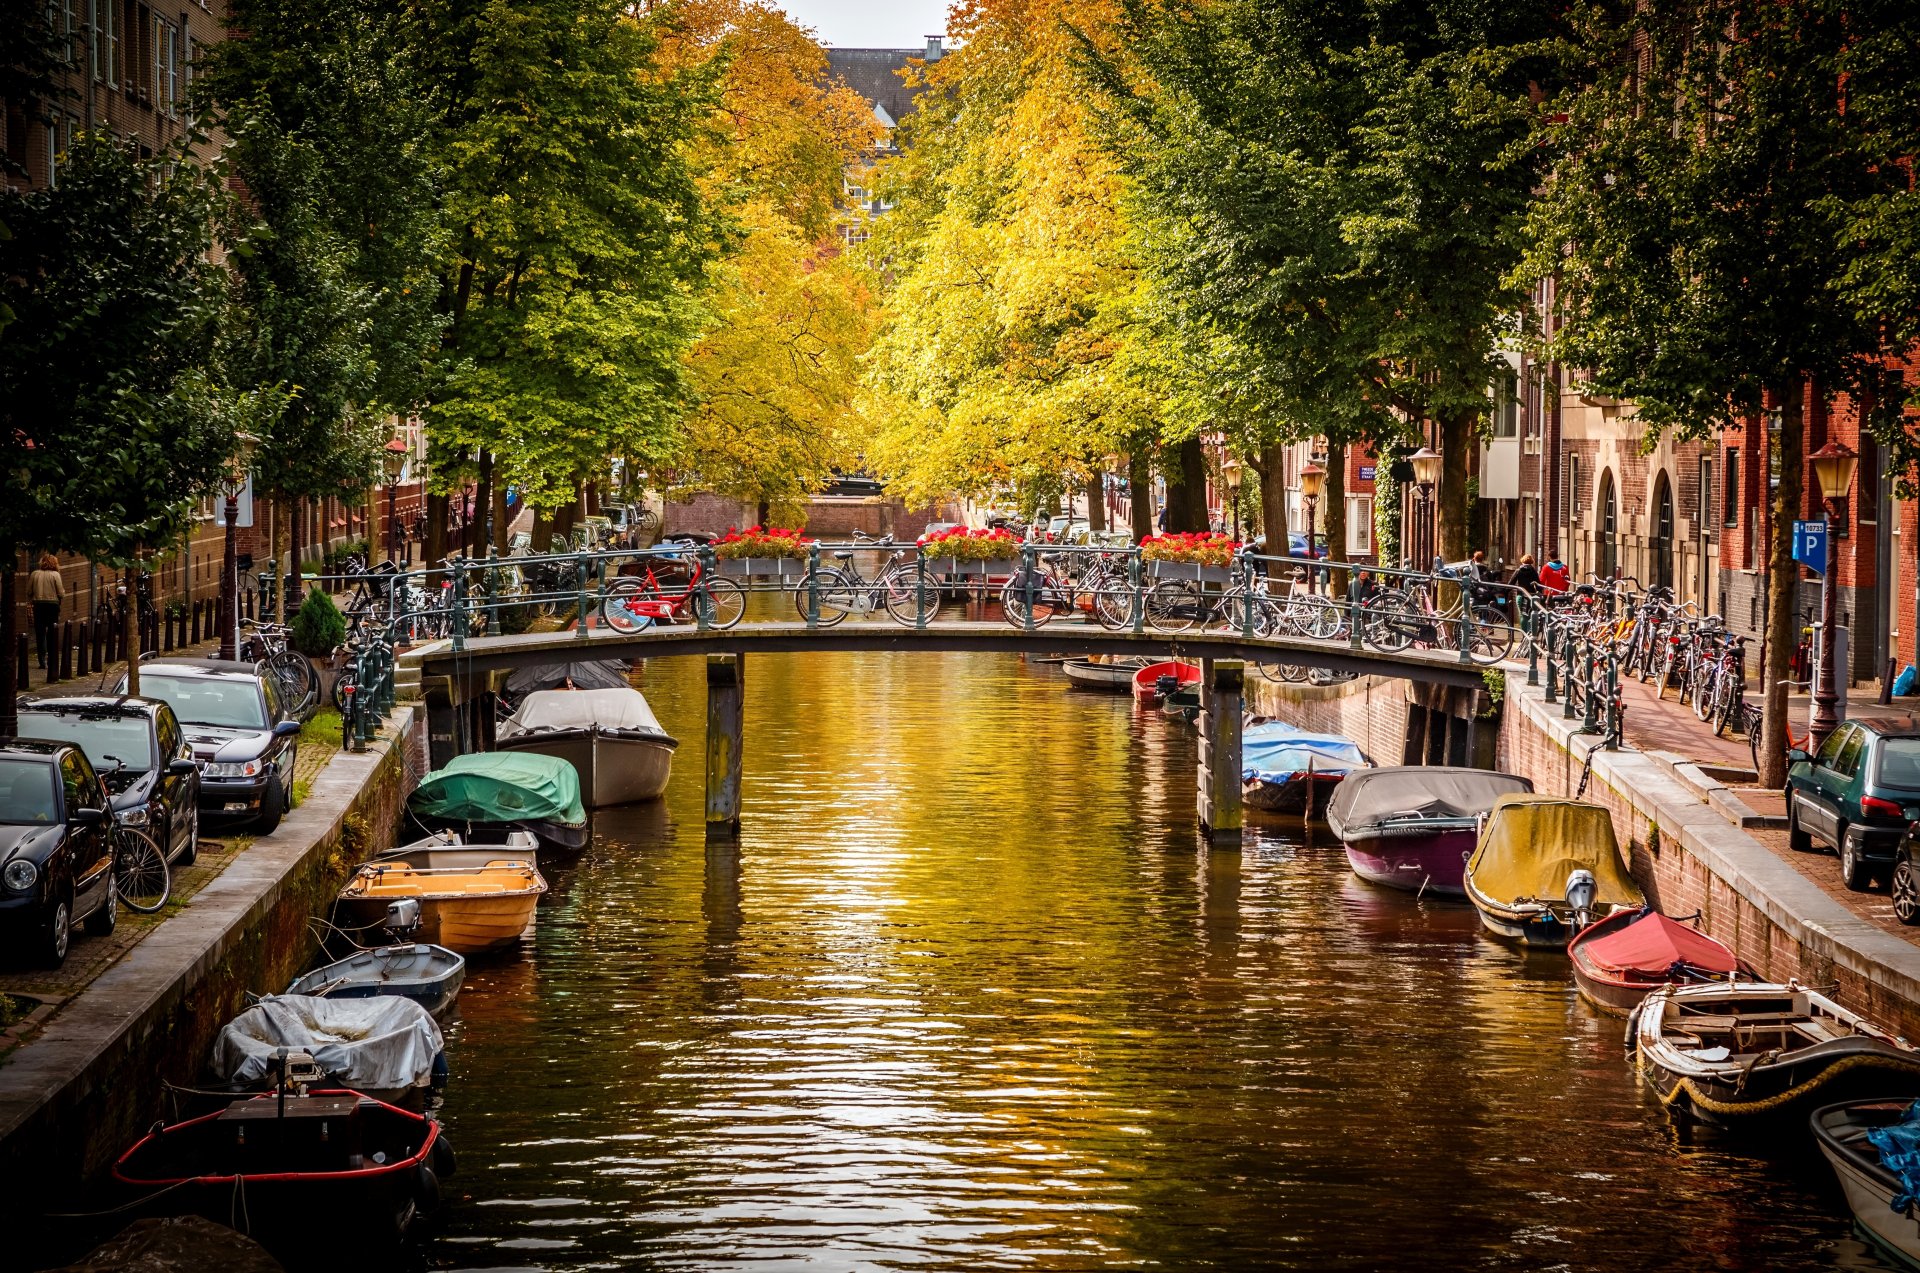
(403, 916)
(1166, 686)
(1581, 891)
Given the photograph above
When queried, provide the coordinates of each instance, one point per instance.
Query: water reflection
(971, 993)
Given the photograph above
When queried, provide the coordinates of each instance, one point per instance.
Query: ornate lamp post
(1426, 472)
(1230, 473)
(238, 465)
(1313, 480)
(394, 461)
(1833, 466)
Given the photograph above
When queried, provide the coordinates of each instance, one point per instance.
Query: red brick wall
(1371, 710)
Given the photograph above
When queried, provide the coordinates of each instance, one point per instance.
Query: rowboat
(490, 793)
(1617, 961)
(1146, 680)
(443, 849)
(1413, 826)
(1116, 675)
(1286, 769)
(609, 736)
(1733, 1053)
(467, 910)
(1544, 869)
(1873, 1147)
(301, 1161)
(387, 1047)
(428, 975)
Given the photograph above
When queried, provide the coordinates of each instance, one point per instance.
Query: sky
(870, 24)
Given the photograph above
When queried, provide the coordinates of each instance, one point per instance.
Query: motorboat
(570, 674)
(468, 910)
(1155, 680)
(609, 736)
(387, 1047)
(1114, 675)
(1619, 960)
(429, 975)
(1544, 869)
(1413, 826)
(488, 794)
(1732, 1053)
(1873, 1147)
(442, 849)
(1286, 769)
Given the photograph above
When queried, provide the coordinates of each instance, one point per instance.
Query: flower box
(1189, 570)
(955, 566)
(762, 567)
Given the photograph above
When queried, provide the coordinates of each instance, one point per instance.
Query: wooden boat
(1619, 960)
(490, 793)
(302, 1162)
(1733, 1053)
(1413, 826)
(464, 909)
(429, 975)
(386, 1046)
(1116, 675)
(609, 736)
(1858, 1138)
(1285, 769)
(1544, 869)
(1146, 680)
(444, 849)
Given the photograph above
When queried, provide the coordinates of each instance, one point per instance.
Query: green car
(1857, 795)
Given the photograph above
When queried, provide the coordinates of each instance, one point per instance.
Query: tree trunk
(761, 512)
(542, 531)
(565, 518)
(276, 539)
(1783, 577)
(297, 520)
(1457, 437)
(1273, 498)
(130, 626)
(1097, 501)
(475, 537)
(1140, 493)
(1187, 488)
(1334, 497)
(10, 637)
(502, 521)
(438, 506)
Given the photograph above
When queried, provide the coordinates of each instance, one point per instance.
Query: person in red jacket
(1553, 575)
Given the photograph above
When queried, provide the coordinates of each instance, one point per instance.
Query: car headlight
(134, 817)
(19, 875)
(231, 769)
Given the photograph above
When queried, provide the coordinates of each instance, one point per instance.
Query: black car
(137, 747)
(56, 850)
(242, 736)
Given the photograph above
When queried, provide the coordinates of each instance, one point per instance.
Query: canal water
(970, 994)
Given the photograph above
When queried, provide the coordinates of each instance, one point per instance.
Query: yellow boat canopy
(1531, 844)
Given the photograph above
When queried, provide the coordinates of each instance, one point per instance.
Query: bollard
(62, 669)
(99, 638)
(193, 623)
(21, 662)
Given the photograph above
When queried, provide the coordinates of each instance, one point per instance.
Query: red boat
(1146, 682)
(1620, 959)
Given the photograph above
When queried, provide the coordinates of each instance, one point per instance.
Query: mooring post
(726, 723)
(1221, 682)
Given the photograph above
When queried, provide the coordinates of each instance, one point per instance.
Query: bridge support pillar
(1221, 684)
(726, 726)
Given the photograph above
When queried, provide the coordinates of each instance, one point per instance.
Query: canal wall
(76, 1095)
(1395, 721)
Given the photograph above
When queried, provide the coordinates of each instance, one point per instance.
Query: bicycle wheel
(1387, 622)
(1113, 602)
(140, 871)
(1317, 617)
(1705, 686)
(1036, 596)
(1727, 706)
(1492, 637)
(906, 597)
(617, 607)
(720, 602)
(298, 679)
(836, 596)
(1173, 605)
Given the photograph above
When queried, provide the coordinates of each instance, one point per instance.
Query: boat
(1617, 961)
(302, 1161)
(609, 736)
(468, 910)
(1873, 1147)
(571, 674)
(1115, 675)
(1147, 687)
(1413, 826)
(387, 1047)
(1543, 869)
(1733, 1053)
(428, 975)
(442, 849)
(490, 794)
(1286, 769)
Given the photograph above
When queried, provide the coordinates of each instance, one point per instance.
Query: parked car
(1857, 794)
(1062, 529)
(242, 736)
(139, 751)
(56, 848)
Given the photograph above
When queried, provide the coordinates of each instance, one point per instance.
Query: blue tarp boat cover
(1899, 1146)
(1274, 750)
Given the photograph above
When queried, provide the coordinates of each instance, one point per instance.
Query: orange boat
(467, 909)
(1146, 682)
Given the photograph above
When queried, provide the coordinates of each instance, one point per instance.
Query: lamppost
(1230, 472)
(394, 461)
(1426, 472)
(238, 465)
(1313, 480)
(1833, 466)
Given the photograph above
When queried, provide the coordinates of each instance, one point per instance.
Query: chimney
(934, 51)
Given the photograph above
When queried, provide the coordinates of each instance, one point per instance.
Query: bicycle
(267, 643)
(1392, 619)
(141, 878)
(827, 594)
(1720, 684)
(634, 603)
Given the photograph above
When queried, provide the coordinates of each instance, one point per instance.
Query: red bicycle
(636, 602)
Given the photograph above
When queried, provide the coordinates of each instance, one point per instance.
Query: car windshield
(1900, 764)
(201, 700)
(105, 739)
(26, 792)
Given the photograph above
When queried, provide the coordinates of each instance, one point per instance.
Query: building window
(166, 64)
(1867, 479)
(63, 21)
(1730, 511)
(1706, 496)
(1359, 525)
(1572, 501)
(1838, 513)
(1506, 409)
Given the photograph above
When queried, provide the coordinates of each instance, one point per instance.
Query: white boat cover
(1427, 792)
(384, 1043)
(623, 709)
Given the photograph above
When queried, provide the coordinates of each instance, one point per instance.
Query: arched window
(1606, 548)
(1660, 549)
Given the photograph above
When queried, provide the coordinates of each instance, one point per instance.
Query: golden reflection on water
(971, 993)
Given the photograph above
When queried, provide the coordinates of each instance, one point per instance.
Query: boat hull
(1113, 678)
(1868, 1186)
(1296, 793)
(429, 976)
(614, 768)
(1433, 863)
(1787, 1089)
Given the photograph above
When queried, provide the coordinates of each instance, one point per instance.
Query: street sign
(243, 519)
(1810, 545)
(1366, 472)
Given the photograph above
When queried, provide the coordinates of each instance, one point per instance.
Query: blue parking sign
(1810, 545)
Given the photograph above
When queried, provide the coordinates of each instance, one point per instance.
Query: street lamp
(1426, 472)
(238, 465)
(394, 461)
(1833, 466)
(1313, 480)
(1230, 472)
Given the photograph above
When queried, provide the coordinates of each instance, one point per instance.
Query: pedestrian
(46, 589)
(1525, 576)
(1553, 576)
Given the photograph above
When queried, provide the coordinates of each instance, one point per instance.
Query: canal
(970, 994)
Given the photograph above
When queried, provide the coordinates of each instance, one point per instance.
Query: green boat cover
(502, 786)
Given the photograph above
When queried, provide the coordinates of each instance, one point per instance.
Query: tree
(1695, 224)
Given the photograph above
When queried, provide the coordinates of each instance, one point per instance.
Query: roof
(875, 75)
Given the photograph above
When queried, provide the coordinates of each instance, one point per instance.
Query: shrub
(318, 626)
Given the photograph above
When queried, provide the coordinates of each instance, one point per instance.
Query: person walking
(46, 589)
(1553, 576)
(1526, 576)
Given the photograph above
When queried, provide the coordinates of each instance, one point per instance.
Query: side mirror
(86, 816)
(181, 768)
(286, 729)
(1795, 756)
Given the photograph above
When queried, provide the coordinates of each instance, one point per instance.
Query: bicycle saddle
(843, 554)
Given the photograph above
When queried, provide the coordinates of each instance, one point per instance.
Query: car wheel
(103, 921)
(1797, 837)
(1853, 872)
(191, 849)
(273, 806)
(57, 935)
(1905, 887)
